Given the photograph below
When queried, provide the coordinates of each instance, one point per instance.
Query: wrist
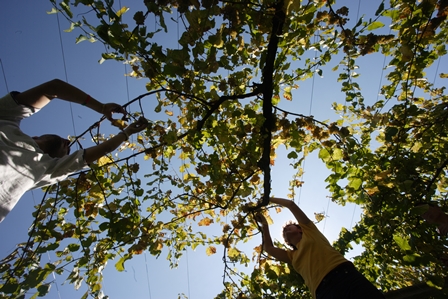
(94, 104)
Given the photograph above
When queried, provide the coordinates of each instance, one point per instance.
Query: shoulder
(12, 110)
(308, 226)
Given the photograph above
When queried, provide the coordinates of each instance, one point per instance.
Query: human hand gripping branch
(268, 245)
(41, 95)
(95, 152)
(295, 210)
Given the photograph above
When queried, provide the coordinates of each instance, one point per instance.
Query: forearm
(267, 240)
(281, 201)
(295, 210)
(67, 92)
(95, 152)
(41, 95)
(269, 247)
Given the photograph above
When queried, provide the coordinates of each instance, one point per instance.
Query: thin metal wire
(4, 76)
(147, 277)
(65, 70)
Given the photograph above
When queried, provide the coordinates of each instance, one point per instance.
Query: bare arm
(41, 95)
(95, 152)
(268, 246)
(295, 210)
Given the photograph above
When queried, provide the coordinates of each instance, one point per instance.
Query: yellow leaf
(140, 139)
(169, 113)
(382, 175)
(372, 191)
(258, 249)
(205, 222)
(119, 123)
(233, 252)
(104, 160)
(210, 250)
(159, 245)
(122, 11)
(255, 179)
(319, 216)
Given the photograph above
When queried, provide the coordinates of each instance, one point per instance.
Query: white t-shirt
(23, 165)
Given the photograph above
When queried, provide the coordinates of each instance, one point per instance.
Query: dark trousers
(345, 282)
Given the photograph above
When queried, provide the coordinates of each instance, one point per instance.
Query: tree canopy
(217, 89)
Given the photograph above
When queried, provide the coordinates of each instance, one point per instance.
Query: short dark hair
(53, 144)
(289, 223)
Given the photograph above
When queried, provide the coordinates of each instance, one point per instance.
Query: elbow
(53, 87)
(55, 83)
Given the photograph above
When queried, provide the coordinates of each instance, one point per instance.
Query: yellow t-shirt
(314, 257)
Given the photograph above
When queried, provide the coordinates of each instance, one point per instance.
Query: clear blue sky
(31, 54)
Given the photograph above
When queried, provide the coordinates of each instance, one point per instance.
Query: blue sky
(31, 54)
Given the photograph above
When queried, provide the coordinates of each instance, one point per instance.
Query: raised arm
(268, 246)
(95, 152)
(41, 95)
(295, 210)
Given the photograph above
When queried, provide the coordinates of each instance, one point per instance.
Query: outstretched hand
(137, 126)
(110, 108)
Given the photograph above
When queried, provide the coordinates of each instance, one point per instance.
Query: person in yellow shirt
(325, 271)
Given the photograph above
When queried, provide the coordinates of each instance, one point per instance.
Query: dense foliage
(217, 90)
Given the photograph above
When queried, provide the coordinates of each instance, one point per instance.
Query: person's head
(428, 211)
(432, 214)
(53, 145)
(292, 234)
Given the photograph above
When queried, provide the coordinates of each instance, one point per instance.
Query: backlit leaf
(402, 242)
(210, 250)
(205, 222)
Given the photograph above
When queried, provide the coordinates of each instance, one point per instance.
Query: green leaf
(66, 8)
(81, 38)
(337, 154)
(391, 132)
(73, 247)
(402, 242)
(324, 154)
(380, 9)
(120, 264)
(43, 289)
(375, 25)
(52, 11)
(411, 258)
(355, 183)
(10, 288)
(293, 155)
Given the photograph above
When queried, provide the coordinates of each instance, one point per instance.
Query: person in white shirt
(32, 162)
